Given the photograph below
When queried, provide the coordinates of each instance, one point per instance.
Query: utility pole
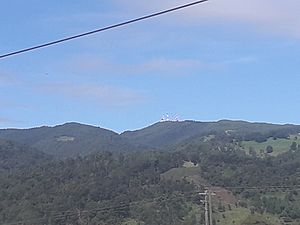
(207, 207)
(210, 208)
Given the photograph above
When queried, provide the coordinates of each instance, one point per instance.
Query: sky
(223, 59)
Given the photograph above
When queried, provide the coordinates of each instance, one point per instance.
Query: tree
(252, 151)
(261, 152)
(221, 208)
(269, 149)
(293, 146)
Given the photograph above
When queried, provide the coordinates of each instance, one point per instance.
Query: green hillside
(279, 145)
(171, 133)
(74, 139)
(68, 140)
(17, 156)
(114, 183)
(153, 187)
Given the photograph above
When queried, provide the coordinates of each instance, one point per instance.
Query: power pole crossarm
(208, 207)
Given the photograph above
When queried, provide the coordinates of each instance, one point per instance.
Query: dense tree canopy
(136, 188)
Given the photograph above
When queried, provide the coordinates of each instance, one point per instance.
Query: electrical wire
(116, 208)
(123, 206)
(101, 29)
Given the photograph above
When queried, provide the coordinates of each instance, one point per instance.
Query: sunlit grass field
(279, 145)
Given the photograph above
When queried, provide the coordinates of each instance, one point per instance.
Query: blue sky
(223, 59)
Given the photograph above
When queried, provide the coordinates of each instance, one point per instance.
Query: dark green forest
(135, 187)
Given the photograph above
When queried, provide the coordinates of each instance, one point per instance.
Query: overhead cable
(69, 38)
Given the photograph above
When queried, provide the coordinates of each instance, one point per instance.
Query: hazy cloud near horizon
(277, 17)
(5, 120)
(104, 95)
(163, 66)
(6, 78)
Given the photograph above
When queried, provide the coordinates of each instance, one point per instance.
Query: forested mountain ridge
(163, 134)
(114, 180)
(68, 140)
(18, 156)
(95, 184)
(155, 188)
(73, 139)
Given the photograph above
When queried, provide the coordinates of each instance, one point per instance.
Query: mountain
(73, 139)
(168, 133)
(151, 187)
(16, 156)
(68, 140)
(155, 188)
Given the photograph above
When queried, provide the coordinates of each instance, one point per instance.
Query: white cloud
(280, 17)
(89, 65)
(83, 19)
(7, 78)
(157, 66)
(170, 66)
(270, 15)
(4, 120)
(241, 60)
(99, 95)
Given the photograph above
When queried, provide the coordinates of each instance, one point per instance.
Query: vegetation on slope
(171, 133)
(151, 188)
(130, 186)
(68, 140)
(278, 145)
(16, 156)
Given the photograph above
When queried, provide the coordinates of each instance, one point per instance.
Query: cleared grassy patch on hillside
(180, 173)
(279, 145)
(243, 216)
(191, 174)
(132, 222)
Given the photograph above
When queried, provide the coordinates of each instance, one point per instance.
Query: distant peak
(74, 124)
(231, 121)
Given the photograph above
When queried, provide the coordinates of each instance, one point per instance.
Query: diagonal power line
(69, 38)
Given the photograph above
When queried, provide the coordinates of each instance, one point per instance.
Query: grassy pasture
(279, 145)
(242, 216)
